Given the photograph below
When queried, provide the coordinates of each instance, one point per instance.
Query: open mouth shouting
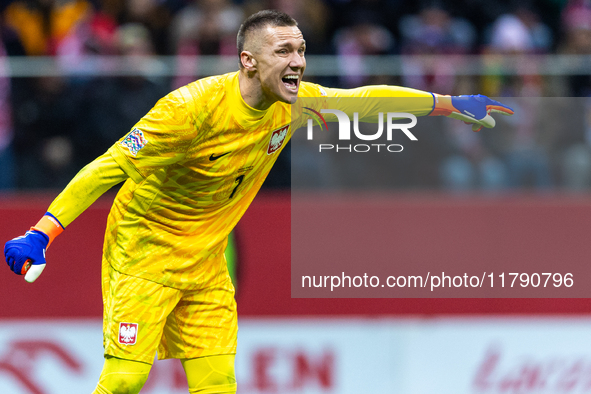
(291, 82)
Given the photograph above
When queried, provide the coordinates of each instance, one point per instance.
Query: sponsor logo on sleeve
(134, 141)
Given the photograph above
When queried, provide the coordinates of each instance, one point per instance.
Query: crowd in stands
(51, 126)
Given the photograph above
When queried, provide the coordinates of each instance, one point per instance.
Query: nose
(297, 61)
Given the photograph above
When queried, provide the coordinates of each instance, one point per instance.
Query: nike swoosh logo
(214, 158)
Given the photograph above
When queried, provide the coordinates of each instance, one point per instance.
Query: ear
(248, 61)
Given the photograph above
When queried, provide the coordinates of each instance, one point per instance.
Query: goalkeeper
(191, 168)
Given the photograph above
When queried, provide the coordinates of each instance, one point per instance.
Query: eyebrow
(287, 44)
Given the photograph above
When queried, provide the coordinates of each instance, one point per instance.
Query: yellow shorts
(141, 316)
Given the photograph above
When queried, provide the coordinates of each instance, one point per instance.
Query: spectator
(576, 23)
(433, 32)
(95, 35)
(521, 31)
(156, 16)
(112, 105)
(43, 25)
(576, 158)
(365, 37)
(526, 151)
(520, 34)
(206, 27)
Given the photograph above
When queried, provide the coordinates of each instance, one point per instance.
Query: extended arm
(400, 99)
(473, 109)
(26, 254)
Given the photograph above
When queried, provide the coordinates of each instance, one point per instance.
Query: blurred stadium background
(75, 75)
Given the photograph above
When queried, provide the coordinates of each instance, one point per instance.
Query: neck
(251, 92)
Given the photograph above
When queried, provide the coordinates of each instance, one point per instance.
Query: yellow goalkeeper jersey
(196, 162)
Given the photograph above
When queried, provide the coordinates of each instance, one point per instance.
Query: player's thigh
(122, 376)
(135, 312)
(203, 323)
(211, 374)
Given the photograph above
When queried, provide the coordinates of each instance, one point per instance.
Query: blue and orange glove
(25, 255)
(474, 109)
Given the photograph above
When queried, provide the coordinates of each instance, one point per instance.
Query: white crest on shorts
(127, 333)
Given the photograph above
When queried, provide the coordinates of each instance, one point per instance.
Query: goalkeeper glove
(474, 109)
(26, 254)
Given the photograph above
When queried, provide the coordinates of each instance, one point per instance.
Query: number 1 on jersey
(238, 181)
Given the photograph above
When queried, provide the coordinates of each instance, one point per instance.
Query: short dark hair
(262, 19)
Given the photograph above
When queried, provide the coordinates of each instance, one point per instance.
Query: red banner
(70, 284)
